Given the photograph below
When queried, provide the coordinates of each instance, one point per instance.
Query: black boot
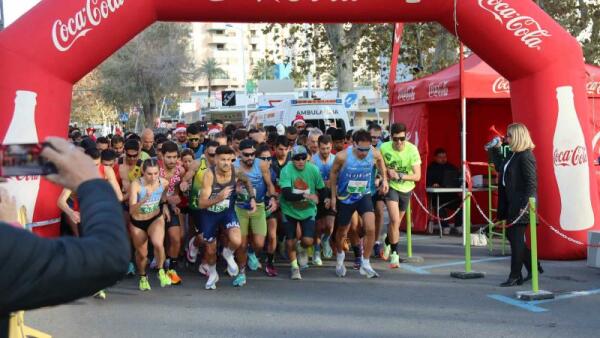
(512, 282)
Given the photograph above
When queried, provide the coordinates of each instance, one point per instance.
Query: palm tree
(210, 70)
(264, 70)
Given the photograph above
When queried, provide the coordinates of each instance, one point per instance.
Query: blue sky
(13, 9)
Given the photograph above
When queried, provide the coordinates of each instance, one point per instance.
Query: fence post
(467, 274)
(535, 293)
(409, 253)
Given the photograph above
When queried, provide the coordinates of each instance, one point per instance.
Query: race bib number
(357, 187)
(220, 207)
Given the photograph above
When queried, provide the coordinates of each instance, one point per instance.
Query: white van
(317, 113)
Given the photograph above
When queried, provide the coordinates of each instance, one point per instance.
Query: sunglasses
(302, 157)
(363, 150)
(399, 139)
(211, 154)
(248, 154)
(132, 156)
(193, 139)
(265, 158)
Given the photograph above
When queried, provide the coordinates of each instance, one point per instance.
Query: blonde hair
(520, 139)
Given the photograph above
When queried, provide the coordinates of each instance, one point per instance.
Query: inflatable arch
(59, 41)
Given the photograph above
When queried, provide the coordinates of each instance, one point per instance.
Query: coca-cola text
(66, 33)
(501, 85)
(572, 157)
(522, 26)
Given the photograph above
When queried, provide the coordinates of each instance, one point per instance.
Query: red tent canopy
(480, 81)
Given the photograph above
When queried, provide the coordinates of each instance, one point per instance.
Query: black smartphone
(24, 160)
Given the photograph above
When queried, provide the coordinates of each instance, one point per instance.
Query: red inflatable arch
(59, 41)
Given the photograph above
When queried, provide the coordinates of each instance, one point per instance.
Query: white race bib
(221, 206)
(357, 187)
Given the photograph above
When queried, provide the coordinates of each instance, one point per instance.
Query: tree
(210, 70)
(582, 19)
(352, 52)
(153, 65)
(88, 106)
(264, 70)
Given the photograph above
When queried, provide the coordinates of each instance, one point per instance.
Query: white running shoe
(211, 283)
(192, 251)
(340, 270)
(232, 267)
(302, 257)
(367, 270)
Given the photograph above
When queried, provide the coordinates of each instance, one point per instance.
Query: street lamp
(240, 29)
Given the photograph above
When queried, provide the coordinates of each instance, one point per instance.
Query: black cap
(247, 144)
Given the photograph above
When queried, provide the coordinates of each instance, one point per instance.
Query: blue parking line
(532, 306)
(529, 306)
(423, 269)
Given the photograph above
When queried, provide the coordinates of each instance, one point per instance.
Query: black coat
(36, 272)
(520, 184)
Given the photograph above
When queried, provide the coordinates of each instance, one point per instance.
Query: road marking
(532, 306)
(423, 269)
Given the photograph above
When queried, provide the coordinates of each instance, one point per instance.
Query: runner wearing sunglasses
(323, 159)
(259, 174)
(351, 192)
(300, 182)
(264, 154)
(404, 169)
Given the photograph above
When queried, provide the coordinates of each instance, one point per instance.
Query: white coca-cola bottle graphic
(571, 166)
(23, 130)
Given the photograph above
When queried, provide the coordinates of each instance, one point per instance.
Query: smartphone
(24, 160)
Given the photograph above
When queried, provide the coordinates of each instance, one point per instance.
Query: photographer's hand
(74, 166)
(8, 207)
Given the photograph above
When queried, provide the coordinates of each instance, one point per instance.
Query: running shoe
(317, 258)
(340, 270)
(367, 270)
(253, 263)
(163, 278)
(394, 261)
(302, 256)
(270, 270)
(385, 254)
(144, 284)
(239, 280)
(232, 267)
(153, 264)
(203, 269)
(377, 250)
(357, 263)
(131, 269)
(100, 295)
(175, 279)
(327, 250)
(295, 274)
(211, 283)
(192, 251)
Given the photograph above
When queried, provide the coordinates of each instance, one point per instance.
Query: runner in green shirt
(301, 187)
(403, 162)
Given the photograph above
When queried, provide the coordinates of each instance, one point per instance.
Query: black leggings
(519, 253)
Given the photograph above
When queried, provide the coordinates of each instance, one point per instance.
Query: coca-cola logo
(407, 93)
(593, 88)
(524, 27)
(438, 89)
(27, 178)
(66, 33)
(501, 85)
(571, 157)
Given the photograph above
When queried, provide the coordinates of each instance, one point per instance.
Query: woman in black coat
(517, 182)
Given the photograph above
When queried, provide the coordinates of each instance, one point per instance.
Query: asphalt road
(401, 303)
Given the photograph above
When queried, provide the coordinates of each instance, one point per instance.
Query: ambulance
(317, 113)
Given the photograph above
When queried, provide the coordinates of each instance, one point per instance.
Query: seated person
(441, 174)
